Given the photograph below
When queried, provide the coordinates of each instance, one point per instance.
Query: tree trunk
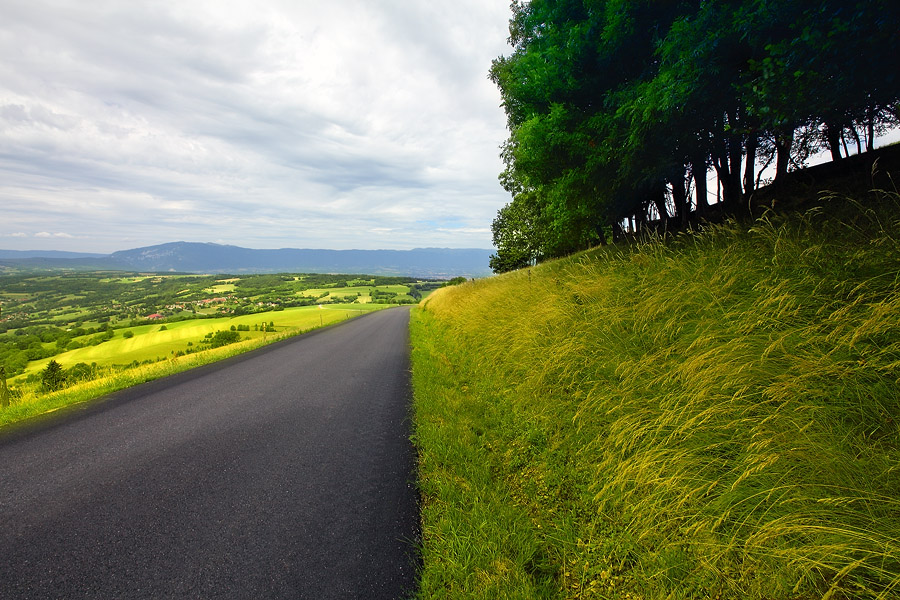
(833, 138)
(679, 197)
(601, 234)
(728, 167)
(750, 165)
(870, 133)
(617, 233)
(658, 196)
(783, 143)
(701, 187)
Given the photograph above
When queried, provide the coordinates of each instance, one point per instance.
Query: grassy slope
(717, 416)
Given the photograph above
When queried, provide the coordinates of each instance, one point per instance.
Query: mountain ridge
(208, 257)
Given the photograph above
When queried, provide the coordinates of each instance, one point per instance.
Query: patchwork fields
(90, 325)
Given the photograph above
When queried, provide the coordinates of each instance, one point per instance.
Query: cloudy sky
(265, 124)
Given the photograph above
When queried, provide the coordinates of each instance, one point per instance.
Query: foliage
(706, 416)
(222, 338)
(53, 377)
(618, 108)
(455, 281)
(80, 372)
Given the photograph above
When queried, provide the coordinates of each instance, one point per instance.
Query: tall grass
(716, 415)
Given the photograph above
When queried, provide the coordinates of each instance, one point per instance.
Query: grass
(714, 416)
(151, 343)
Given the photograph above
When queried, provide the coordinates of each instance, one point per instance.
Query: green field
(99, 326)
(151, 343)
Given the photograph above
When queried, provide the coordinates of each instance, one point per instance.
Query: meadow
(710, 415)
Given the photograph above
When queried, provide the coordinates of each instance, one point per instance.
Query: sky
(367, 124)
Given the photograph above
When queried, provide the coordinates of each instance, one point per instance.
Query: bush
(52, 377)
(223, 338)
(80, 372)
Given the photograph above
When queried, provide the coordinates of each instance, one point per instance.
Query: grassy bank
(717, 416)
(30, 400)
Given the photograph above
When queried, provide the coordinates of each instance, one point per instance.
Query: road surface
(283, 473)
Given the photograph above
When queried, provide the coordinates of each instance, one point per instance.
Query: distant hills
(193, 257)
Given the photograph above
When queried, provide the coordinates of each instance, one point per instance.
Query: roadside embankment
(711, 416)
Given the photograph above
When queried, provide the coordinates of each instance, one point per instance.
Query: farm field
(91, 325)
(155, 342)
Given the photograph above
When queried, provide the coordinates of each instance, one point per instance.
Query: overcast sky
(265, 124)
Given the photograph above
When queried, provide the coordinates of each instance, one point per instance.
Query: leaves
(607, 99)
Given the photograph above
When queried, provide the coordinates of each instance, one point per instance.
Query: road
(283, 473)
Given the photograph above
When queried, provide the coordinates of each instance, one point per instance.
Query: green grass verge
(714, 416)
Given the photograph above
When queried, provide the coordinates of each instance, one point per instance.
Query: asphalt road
(284, 473)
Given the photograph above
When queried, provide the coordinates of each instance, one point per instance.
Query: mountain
(192, 257)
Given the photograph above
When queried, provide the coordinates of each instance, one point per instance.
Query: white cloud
(266, 124)
(58, 234)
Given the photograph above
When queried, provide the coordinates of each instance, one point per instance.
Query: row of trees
(619, 109)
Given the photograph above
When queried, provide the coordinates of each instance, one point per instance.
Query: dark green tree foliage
(517, 234)
(617, 109)
(53, 377)
(222, 338)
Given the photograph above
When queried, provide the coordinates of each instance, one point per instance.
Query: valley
(93, 322)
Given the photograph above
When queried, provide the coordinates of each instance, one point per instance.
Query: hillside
(709, 416)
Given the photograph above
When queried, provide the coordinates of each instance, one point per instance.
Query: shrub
(52, 377)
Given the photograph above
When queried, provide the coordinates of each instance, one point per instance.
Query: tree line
(618, 110)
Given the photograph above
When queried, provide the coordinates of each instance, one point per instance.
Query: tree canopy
(618, 109)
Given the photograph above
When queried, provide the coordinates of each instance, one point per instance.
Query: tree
(617, 109)
(53, 377)
(516, 235)
(223, 338)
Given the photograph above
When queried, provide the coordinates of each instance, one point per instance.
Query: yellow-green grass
(715, 416)
(393, 289)
(31, 402)
(365, 290)
(151, 341)
(220, 288)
